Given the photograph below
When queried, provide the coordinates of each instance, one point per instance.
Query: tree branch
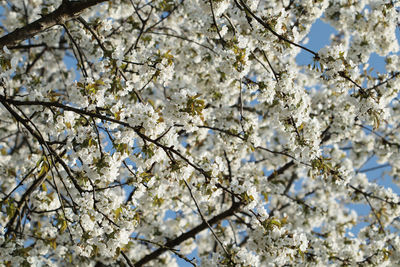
(191, 233)
(66, 11)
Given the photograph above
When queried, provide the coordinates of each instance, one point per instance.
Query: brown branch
(276, 75)
(64, 107)
(182, 38)
(381, 228)
(268, 27)
(29, 46)
(37, 135)
(66, 11)
(175, 251)
(383, 82)
(38, 56)
(106, 118)
(191, 233)
(208, 225)
(280, 171)
(216, 25)
(107, 53)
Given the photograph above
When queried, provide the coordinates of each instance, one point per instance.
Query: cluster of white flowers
(188, 128)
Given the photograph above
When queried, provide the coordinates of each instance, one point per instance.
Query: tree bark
(185, 236)
(66, 11)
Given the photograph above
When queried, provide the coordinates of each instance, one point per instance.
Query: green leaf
(117, 213)
(64, 226)
(44, 169)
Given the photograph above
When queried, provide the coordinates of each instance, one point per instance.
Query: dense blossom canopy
(187, 127)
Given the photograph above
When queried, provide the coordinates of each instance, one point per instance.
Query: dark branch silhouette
(66, 11)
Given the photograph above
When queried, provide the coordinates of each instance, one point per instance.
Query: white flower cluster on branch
(137, 133)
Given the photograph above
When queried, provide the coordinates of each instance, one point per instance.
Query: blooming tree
(188, 128)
